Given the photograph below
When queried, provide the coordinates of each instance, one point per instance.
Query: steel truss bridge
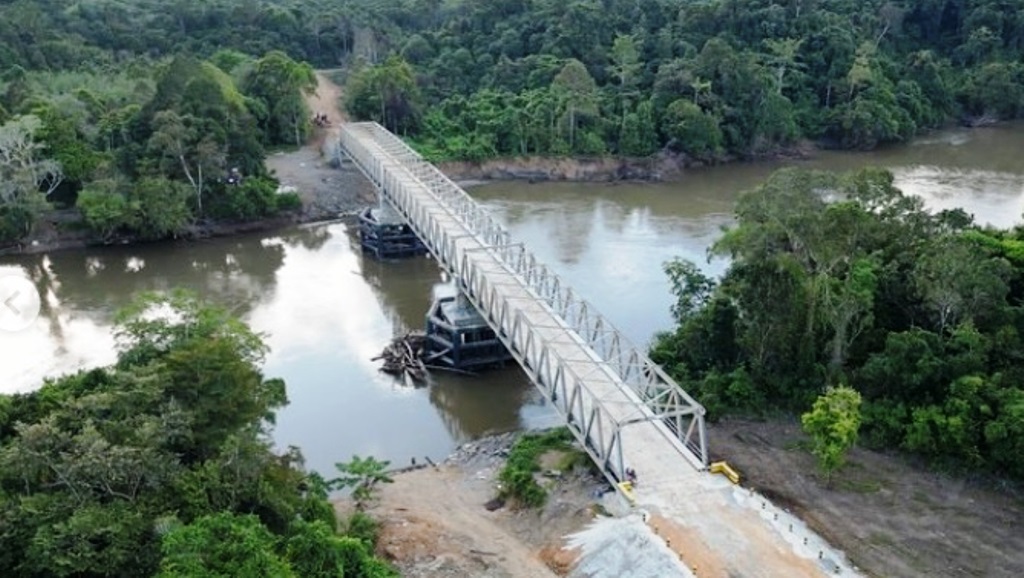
(620, 405)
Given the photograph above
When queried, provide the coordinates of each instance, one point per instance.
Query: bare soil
(891, 517)
(329, 188)
(434, 522)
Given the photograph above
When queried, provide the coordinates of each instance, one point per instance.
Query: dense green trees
(842, 279)
(758, 75)
(162, 463)
(27, 176)
(470, 79)
(147, 153)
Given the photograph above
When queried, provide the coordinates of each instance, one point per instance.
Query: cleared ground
(890, 517)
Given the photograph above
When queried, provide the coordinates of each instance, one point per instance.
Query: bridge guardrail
(681, 416)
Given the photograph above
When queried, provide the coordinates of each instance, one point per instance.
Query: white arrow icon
(9, 303)
(20, 303)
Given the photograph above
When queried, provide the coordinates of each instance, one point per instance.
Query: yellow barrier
(724, 469)
(627, 490)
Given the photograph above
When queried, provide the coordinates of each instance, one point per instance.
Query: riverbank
(441, 521)
(663, 166)
(435, 522)
(329, 189)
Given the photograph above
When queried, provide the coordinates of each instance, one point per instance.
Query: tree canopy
(161, 464)
(843, 279)
(713, 80)
(149, 150)
(477, 78)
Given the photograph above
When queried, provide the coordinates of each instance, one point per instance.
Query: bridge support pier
(386, 235)
(458, 337)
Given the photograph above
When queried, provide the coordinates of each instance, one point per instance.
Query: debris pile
(403, 355)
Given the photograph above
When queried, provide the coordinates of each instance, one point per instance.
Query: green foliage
(222, 545)
(386, 93)
(833, 423)
(517, 477)
(287, 202)
(842, 279)
(161, 207)
(362, 475)
(279, 84)
(18, 218)
(693, 130)
(362, 527)
(315, 551)
(253, 198)
(691, 288)
(161, 464)
(104, 210)
(27, 177)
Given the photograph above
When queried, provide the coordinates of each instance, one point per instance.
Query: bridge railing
(394, 161)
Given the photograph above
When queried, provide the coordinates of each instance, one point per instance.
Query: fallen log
(403, 357)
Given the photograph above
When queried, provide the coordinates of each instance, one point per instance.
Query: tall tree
(578, 94)
(27, 177)
(281, 85)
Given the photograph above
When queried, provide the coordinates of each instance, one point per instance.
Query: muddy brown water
(326, 309)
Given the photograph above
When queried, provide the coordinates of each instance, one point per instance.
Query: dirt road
(434, 524)
(327, 190)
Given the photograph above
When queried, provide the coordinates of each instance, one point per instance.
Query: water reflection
(627, 231)
(630, 232)
(325, 311)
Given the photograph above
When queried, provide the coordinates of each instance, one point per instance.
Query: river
(326, 309)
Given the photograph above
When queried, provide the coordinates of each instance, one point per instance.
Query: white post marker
(19, 303)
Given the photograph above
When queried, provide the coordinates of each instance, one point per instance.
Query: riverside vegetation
(843, 280)
(476, 79)
(135, 111)
(161, 464)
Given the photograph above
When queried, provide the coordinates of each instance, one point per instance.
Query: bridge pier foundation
(386, 235)
(458, 337)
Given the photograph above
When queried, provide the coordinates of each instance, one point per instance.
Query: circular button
(19, 303)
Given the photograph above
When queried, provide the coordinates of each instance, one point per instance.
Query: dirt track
(327, 190)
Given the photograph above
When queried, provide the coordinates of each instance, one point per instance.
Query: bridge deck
(621, 407)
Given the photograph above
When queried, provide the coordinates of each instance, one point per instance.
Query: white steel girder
(560, 340)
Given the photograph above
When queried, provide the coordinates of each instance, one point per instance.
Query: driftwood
(403, 357)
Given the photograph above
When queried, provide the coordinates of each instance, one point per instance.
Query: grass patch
(572, 458)
(517, 477)
(858, 486)
(363, 527)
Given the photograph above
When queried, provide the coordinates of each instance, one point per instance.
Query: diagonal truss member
(568, 349)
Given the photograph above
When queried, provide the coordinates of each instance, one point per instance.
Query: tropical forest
(131, 121)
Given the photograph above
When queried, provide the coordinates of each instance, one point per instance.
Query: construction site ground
(890, 517)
